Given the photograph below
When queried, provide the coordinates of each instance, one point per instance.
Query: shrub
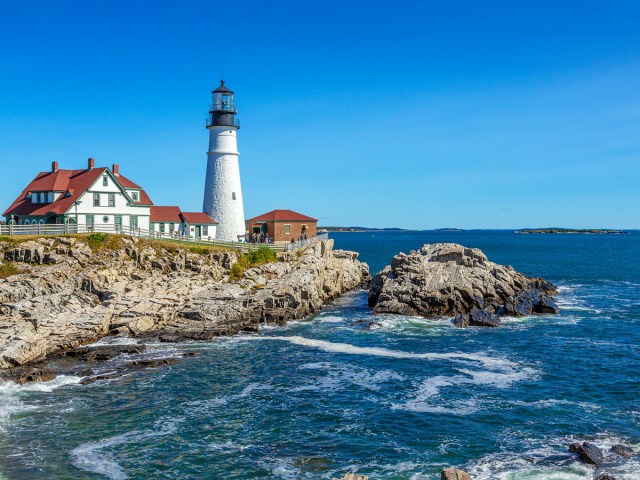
(7, 269)
(251, 259)
(103, 241)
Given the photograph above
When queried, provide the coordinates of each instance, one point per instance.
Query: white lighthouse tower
(222, 190)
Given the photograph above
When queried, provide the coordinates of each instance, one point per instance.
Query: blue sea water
(324, 396)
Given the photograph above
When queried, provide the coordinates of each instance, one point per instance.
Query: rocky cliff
(450, 280)
(63, 292)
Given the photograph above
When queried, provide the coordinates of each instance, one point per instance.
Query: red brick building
(283, 225)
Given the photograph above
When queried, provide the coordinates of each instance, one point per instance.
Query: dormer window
(105, 181)
(135, 196)
(43, 197)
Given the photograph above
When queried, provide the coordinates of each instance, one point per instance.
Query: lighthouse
(222, 190)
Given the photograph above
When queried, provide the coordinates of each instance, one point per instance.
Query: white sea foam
(422, 400)
(11, 395)
(331, 319)
(93, 458)
(337, 376)
(349, 349)
(535, 463)
(114, 341)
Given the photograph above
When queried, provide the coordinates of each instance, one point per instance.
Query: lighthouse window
(233, 195)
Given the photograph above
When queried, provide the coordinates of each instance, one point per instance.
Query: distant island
(592, 231)
(360, 229)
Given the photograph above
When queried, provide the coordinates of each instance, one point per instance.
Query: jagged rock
(31, 375)
(547, 305)
(84, 295)
(454, 474)
(606, 476)
(623, 451)
(353, 476)
(104, 352)
(588, 453)
(447, 279)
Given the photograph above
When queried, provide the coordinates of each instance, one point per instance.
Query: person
(293, 240)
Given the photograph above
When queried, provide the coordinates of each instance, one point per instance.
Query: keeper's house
(99, 197)
(283, 225)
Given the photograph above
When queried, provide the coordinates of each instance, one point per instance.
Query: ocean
(323, 396)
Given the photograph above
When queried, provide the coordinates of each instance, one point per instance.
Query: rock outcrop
(588, 453)
(450, 280)
(454, 474)
(72, 292)
(352, 476)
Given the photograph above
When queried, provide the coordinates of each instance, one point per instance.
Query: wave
(346, 348)
(339, 375)
(11, 393)
(549, 459)
(92, 457)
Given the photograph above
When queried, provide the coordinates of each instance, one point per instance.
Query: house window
(135, 196)
(96, 199)
(133, 222)
(233, 195)
(112, 199)
(105, 181)
(205, 231)
(287, 229)
(105, 219)
(90, 222)
(162, 227)
(172, 228)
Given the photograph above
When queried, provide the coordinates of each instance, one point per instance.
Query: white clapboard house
(98, 196)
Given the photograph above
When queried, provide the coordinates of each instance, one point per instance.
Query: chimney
(116, 169)
(54, 167)
(91, 163)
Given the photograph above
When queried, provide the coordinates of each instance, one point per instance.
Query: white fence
(73, 229)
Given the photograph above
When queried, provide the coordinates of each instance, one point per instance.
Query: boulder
(623, 451)
(447, 279)
(352, 476)
(606, 476)
(588, 453)
(454, 474)
(32, 375)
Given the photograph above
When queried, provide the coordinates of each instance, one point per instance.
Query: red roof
(72, 183)
(282, 216)
(165, 214)
(198, 218)
(143, 199)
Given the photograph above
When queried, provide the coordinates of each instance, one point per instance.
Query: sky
(492, 114)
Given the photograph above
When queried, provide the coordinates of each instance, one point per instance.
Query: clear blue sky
(409, 114)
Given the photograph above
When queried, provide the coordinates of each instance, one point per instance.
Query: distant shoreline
(524, 231)
(587, 231)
